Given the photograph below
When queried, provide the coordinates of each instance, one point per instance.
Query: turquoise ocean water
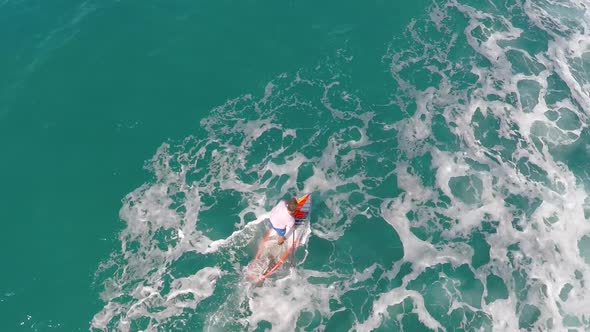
(446, 144)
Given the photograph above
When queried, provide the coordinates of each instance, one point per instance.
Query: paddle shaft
(293, 250)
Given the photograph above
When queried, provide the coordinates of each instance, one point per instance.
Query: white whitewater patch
(547, 251)
(163, 216)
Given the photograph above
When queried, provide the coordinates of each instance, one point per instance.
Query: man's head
(292, 205)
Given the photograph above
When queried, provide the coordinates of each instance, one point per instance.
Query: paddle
(293, 250)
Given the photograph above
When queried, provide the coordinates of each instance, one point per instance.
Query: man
(282, 218)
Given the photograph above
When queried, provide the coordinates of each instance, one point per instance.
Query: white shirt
(280, 217)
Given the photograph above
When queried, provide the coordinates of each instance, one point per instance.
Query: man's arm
(287, 233)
